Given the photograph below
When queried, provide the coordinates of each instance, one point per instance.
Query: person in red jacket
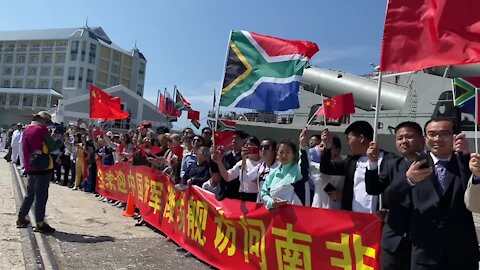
(37, 141)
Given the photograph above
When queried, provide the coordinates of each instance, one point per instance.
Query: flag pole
(221, 87)
(377, 106)
(311, 118)
(324, 114)
(476, 120)
(158, 99)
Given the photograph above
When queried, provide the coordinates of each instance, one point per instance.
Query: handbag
(38, 160)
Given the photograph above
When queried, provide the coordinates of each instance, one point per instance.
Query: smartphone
(423, 156)
(252, 149)
(329, 188)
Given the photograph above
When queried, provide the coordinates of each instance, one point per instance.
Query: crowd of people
(419, 195)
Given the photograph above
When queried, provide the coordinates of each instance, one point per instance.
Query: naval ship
(413, 96)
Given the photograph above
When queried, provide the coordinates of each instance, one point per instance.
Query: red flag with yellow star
(105, 106)
(338, 106)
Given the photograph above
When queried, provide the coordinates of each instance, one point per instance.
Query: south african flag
(263, 73)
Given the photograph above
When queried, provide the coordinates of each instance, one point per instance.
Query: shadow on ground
(81, 238)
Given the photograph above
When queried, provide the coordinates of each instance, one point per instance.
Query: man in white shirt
(16, 143)
(354, 196)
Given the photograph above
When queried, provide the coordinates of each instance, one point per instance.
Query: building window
(57, 85)
(21, 59)
(60, 58)
(14, 99)
(43, 84)
(19, 71)
(6, 83)
(27, 100)
(71, 77)
(59, 71)
(18, 84)
(114, 68)
(34, 59)
(84, 47)
(74, 50)
(31, 84)
(45, 71)
(7, 71)
(113, 80)
(41, 101)
(32, 71)
(80, 78)
(116, 57)
(35, 46)
(9, 59)
(89, 76)
(3, 99)
(47, 58)
(92, 54)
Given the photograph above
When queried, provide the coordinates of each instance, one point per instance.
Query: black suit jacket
(441, 228)
(229, 189)
(347, 168)
(397, 219)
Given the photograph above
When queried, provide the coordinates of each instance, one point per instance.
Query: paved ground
(11, 256)
(90, 234)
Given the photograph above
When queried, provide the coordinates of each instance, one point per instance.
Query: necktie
(441, 169)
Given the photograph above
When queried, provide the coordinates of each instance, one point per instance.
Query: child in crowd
(213, 184)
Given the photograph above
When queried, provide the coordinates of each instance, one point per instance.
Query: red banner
(232, 234)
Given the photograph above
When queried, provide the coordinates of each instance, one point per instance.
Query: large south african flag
(263, 73)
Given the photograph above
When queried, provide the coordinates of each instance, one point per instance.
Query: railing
(256, 117)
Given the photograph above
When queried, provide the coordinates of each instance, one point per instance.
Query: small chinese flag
(338, 106)
(193, 115)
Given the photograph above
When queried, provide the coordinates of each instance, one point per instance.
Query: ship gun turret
(332, 83)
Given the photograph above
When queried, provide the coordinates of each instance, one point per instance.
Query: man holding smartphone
(440, 226)
(396, 245)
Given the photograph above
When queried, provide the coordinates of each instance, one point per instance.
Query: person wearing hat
(37, 144)
(16, 143)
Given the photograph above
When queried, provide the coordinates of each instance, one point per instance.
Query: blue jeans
(37, 189)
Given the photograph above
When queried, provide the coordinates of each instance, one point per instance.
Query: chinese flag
(224, 138)
(338, 106)
(425, 33)
(104, 105)
(161, 104)
(193, 115)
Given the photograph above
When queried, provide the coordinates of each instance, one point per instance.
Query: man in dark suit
(353, 196)
(441, 228)
(396, 246)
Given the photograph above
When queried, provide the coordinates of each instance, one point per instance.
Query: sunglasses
(196, 139)
(265, 147)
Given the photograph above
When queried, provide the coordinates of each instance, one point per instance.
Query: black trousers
(400, 259)
(66, 168)
(57, 168)
(250, 197)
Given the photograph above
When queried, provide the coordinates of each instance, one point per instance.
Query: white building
(68, 60)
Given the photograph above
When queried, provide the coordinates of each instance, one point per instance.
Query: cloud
(329, 55)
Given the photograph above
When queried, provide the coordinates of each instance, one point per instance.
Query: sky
(185, 41)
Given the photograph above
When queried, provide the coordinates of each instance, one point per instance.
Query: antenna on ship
(86, 22)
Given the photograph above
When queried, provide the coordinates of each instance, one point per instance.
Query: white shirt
(16, 137)
(362, 201)
(209, 187)
(258, 176)
(245, 185)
